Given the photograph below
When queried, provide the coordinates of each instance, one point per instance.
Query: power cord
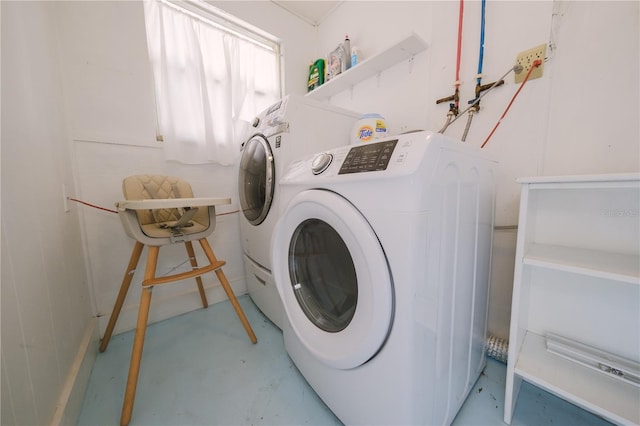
(92, 205)
(536, 64)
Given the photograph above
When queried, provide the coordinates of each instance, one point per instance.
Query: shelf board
(583, 179)
(604, 395)
(595, 263)
(402, 50)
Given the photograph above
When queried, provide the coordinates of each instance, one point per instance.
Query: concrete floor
(201, 369)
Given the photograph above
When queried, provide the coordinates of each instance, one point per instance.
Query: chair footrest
(184, 275)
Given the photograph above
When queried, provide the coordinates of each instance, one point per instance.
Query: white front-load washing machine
(382, 260)
(288, 130)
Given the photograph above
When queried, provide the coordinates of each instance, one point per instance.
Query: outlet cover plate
(527, 58)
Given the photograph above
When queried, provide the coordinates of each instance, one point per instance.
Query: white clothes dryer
(382, 260)
(288, 130)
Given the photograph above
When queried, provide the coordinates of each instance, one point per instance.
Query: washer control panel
(368, 158)
(396, 156)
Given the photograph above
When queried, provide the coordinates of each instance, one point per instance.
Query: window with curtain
(212, 75)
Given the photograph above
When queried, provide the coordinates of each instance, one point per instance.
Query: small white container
(369, 128)
(356, 56)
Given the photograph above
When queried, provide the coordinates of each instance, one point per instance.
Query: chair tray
(170, 203)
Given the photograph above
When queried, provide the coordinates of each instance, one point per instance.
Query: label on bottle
(365, 133)
(381, 128)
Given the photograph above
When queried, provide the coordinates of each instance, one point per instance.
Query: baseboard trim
(72, 394)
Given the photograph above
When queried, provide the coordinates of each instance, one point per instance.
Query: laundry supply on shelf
(316, 75)
(356, 56)
(339, 60)
(368, 128)
(346, 53)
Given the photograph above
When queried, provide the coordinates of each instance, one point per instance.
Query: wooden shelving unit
(577, 275)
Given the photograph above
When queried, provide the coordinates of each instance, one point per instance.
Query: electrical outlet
(527, 58)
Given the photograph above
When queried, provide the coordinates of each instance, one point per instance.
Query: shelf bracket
(411, 63)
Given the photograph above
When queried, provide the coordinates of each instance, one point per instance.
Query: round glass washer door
(256, 180)
(333, 278)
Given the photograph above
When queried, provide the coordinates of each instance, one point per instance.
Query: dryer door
(333, 279)
(256, 179)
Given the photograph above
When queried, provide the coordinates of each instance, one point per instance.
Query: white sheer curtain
(209, 84)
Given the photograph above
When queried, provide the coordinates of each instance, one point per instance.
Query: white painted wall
(580, 117)
(47, 325)
(112, 121)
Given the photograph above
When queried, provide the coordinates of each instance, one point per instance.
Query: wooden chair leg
(138, 341)
(194, 263)
(227, 288)
(122, 294)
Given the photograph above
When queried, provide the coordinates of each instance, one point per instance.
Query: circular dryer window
(256, 179)
(323, 275)
(333, 279)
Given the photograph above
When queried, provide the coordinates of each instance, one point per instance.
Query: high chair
(158, 211)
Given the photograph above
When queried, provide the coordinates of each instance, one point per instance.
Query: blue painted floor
(201, 369)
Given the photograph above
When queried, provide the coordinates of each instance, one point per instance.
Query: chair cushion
(155, 223)
(154, 231)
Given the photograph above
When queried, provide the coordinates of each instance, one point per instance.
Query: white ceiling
(313, 12)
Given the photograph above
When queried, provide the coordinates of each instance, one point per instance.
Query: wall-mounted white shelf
(398, 52)
(577, 276)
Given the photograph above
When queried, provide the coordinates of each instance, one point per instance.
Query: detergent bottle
(369, 128)
(316, 75)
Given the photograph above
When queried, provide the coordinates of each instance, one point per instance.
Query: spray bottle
(346, 53)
